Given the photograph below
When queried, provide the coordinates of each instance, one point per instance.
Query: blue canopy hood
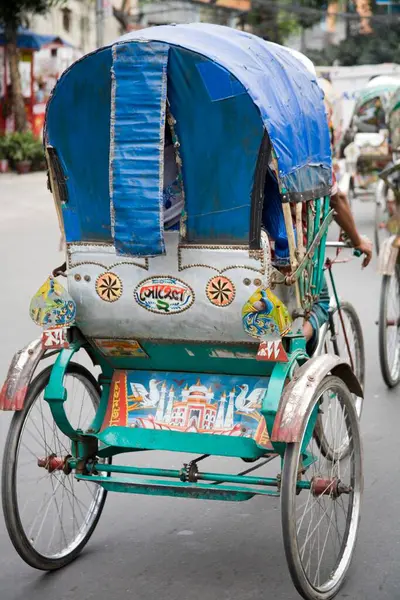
(228, 91)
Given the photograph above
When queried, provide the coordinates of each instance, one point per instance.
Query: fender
(380, 193)
(324, 328)
(295, 403)
(388, 255)
(344, 183)
(22, 367)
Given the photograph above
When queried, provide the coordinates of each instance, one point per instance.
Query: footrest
(160, 487)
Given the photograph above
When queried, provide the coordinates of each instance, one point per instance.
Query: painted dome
(198, 392)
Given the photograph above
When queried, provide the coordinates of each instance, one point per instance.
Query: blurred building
(75, 22)
(223, 12)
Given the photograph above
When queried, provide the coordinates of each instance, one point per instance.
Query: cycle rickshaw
(195, 332)
(385, 213)
(365, 145)
(389, 268)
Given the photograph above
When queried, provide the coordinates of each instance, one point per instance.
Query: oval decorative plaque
(164, 295)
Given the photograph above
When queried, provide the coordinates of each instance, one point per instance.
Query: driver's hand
(365, 247)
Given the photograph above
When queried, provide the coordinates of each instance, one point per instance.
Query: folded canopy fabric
(284, 90)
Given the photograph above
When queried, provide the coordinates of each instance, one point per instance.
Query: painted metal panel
(188, 403)
(110, 293)
(137, 146)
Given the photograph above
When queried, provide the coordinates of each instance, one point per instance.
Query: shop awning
(28, 40)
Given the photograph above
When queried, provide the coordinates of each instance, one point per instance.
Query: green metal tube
(133, 470)
(238, 479)
(220, 477)
(317, 217)
(314, 257)
(321, 250)
(317, 254)
(334, 288)
(310, 225)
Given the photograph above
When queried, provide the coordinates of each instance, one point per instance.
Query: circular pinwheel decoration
(220, 291)
(109, 287)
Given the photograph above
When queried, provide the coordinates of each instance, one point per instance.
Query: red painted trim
(117, 409)
(15, 402)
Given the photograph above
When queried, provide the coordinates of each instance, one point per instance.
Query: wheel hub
(55, 463)
(331, 486)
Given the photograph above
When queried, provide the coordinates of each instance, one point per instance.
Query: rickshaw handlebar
(343, 245)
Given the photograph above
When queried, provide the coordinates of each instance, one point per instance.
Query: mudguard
(388, 255)
(345, 182)
(380, 193)
(295, 404)
(19, 375)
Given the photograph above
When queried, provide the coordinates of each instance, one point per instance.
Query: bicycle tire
(12, 514)
(391, 379)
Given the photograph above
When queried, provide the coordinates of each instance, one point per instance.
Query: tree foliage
(275, 20)
(381, 46)
(13, 14)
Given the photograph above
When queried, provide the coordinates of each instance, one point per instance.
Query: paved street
(146, 548)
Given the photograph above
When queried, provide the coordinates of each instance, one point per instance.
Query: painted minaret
(161, 404)
(229, 413)
(170, 405)
(219, 421)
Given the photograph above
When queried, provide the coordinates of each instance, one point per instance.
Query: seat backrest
(192, 293)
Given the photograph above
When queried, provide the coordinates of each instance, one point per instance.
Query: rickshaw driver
(273, 222)
(343, 217)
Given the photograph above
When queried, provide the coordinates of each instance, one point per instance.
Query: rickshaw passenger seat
(273, 219)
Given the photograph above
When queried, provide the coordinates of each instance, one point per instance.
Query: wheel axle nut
(54, 463)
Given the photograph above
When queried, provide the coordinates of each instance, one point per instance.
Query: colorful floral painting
(264, 314)
(213, 404)
(52, 306)
(120, 348)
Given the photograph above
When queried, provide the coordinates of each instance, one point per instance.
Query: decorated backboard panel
(189, 402)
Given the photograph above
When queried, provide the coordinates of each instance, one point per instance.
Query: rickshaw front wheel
(320, 498)
(49, 515)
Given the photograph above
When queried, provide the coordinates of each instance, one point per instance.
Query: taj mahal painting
(214, 404)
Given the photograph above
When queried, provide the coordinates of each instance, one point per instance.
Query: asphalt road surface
(146, 548)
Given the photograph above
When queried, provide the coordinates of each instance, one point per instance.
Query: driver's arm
(344, 218)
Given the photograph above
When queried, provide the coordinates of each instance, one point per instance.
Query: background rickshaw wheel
(381, 215)
(320, 524)
(389, 328)
(42, 506)
(351, 195)
(356, 342)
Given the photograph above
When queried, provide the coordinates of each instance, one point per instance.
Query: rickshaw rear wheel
(35, 459)
(389, 319)
(351, 195)
(320, 522)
